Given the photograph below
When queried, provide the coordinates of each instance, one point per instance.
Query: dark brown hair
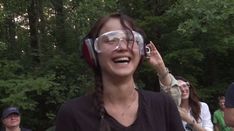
(128, 24)
(221, 97)
(194, 101)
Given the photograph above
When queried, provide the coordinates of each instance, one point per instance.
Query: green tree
(200, 43)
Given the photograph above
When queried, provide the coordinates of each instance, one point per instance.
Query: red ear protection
(88, 52)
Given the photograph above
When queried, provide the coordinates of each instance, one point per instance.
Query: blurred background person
(195, 114)
(218, 117)
(11, 120)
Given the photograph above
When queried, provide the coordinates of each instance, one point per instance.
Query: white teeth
(121, 59)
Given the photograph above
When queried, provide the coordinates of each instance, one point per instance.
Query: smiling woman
(114, 49)
(194, 113)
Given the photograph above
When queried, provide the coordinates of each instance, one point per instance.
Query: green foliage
(199, 15)
(187, 59)
(17, 91)
(203, 44)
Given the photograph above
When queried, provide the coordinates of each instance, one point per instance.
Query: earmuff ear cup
(144, 54)
(88, 52)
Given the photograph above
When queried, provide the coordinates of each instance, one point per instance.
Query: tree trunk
(60, 33)
(10, 33)
(34, 35)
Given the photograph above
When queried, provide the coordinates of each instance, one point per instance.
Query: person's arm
(196, 127)
(216, 125)
(156, 61)
(167, 81)
(173, 89)
(191, 122)
(205, 119)
(229, 116)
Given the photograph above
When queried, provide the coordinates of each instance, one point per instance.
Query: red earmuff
(88, 52)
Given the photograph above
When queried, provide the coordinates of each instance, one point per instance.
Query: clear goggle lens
(114, 40)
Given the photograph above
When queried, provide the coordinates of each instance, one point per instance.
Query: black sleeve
(65, 119)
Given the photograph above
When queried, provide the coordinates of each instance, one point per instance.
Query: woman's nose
(123, 44)
(182, 89)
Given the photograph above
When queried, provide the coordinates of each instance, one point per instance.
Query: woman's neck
(121, 101)
(120, 92)
(185, 104)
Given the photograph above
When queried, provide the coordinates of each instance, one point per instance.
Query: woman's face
(120, 61)
(184, 88)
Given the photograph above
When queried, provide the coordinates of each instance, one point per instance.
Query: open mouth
(125, 60)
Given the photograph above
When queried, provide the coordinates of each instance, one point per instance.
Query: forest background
(40, 49)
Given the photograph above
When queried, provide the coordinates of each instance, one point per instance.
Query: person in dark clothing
(229, 103)
(11, 120)
(114, 48)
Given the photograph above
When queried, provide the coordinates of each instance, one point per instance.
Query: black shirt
(156, 112)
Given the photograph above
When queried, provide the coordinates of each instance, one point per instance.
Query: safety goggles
(114, 40)
(185, 85)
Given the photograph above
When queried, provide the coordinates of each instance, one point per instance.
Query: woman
(195, 114)
(114, 48)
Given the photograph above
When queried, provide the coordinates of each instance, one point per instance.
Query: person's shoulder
(77, 103)
(157, 101)
(204, 107)
(203, 103)
(150, 94)
(79, 100)
(159, 97)
(217, 111)
(231, 88)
